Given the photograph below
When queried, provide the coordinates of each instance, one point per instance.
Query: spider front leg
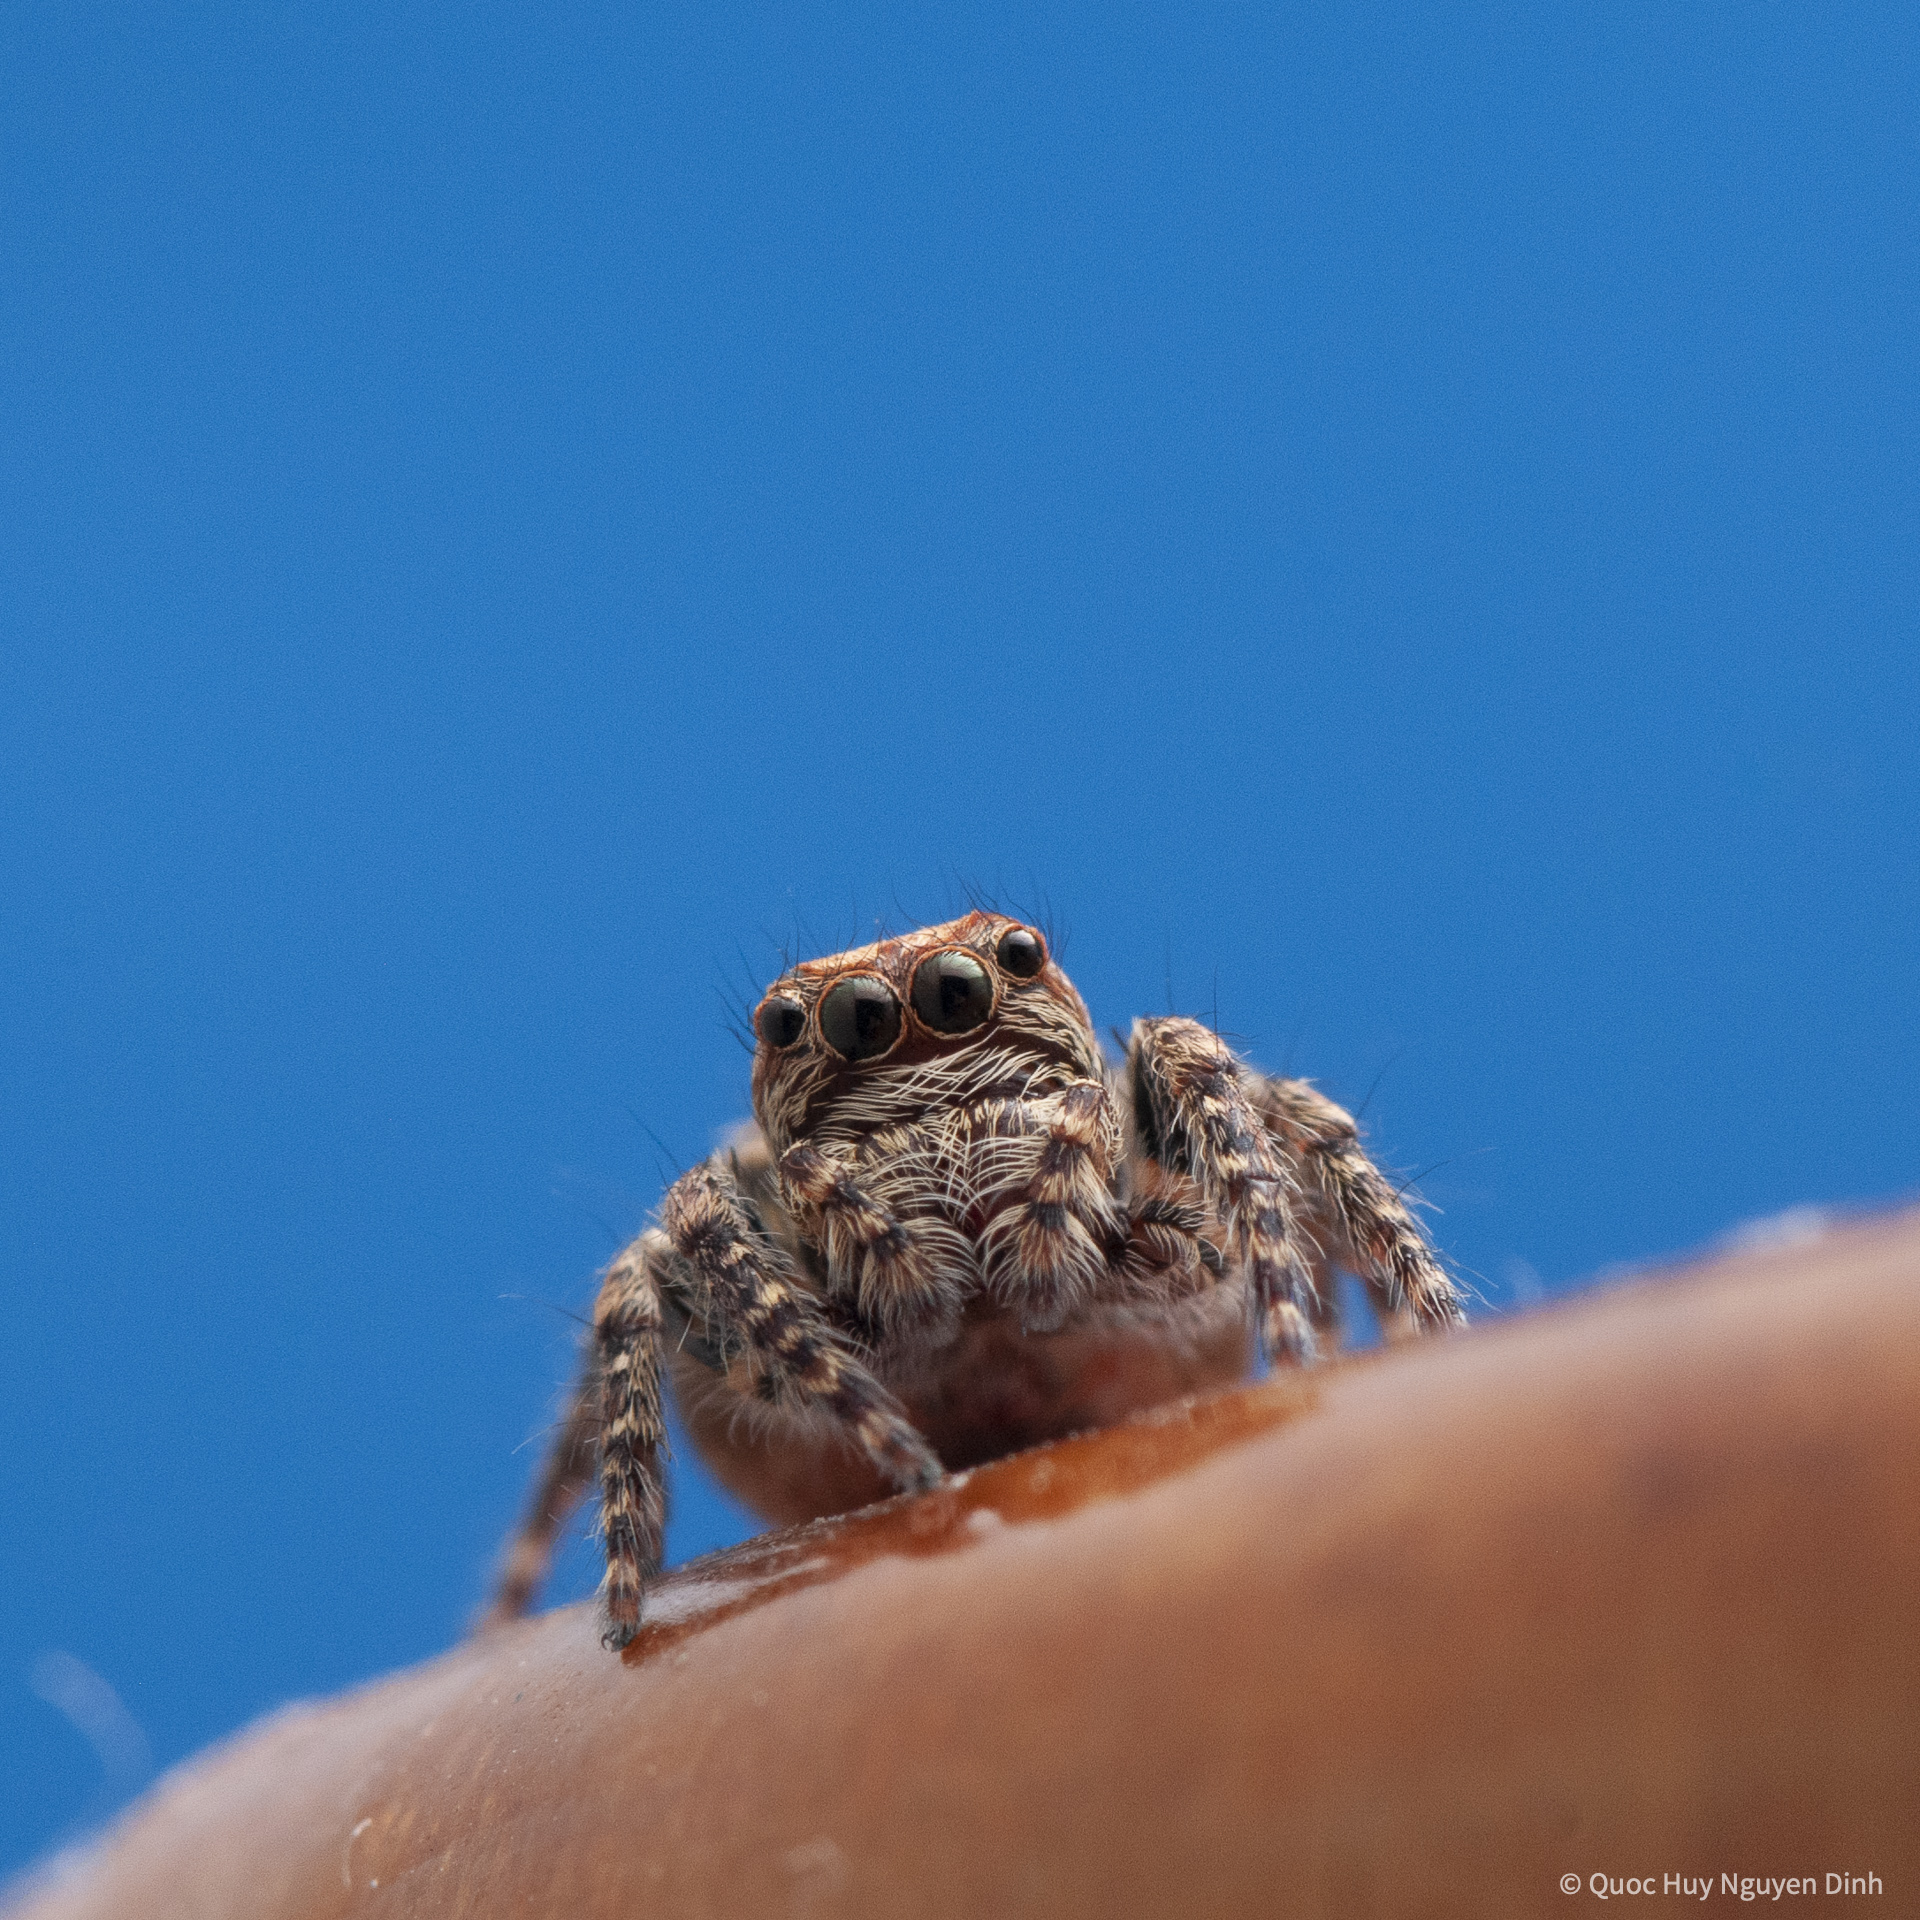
(1359, 1217)
(748, 1286)
(886, 1264)
(1194, 1113)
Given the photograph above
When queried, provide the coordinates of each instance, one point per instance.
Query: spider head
(880, 1035)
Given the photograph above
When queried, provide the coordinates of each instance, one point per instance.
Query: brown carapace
(954, 1229)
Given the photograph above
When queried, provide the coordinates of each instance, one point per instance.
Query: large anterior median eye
(860, 1017)
(951, 992)
(1022, 953)
(780, 1021)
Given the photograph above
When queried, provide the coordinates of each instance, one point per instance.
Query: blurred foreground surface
(1627, 1588)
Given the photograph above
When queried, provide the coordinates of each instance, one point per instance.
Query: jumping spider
(954, 1229)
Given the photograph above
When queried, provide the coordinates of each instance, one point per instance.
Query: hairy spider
(953, 1229)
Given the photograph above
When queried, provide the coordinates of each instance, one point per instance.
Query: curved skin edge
(1624, 1586)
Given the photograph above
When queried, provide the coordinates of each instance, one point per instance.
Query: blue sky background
(1400, 521)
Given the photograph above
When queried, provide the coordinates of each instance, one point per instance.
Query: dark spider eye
(951, 992)
(860, 1017)
(1023, 954)
(780, 1021)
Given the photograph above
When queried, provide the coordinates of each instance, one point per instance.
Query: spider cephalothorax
(954, 1229)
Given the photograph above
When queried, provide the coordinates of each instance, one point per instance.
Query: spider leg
(749, 1287)
(628, 1322)
(1356, 1212)
(615, 1415)
(871, 1252)
(1194, 1113)
(563, 1481)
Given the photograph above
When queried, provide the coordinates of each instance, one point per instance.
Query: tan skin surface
(1625, 1587)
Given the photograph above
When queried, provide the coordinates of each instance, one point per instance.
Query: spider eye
(951, 992)
(1022, 953)
(780, 1021)
(860, 1017)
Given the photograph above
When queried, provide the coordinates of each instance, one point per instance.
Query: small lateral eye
(780, 1021)
(860, 1017)
(1022, 953)
(951, 992)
